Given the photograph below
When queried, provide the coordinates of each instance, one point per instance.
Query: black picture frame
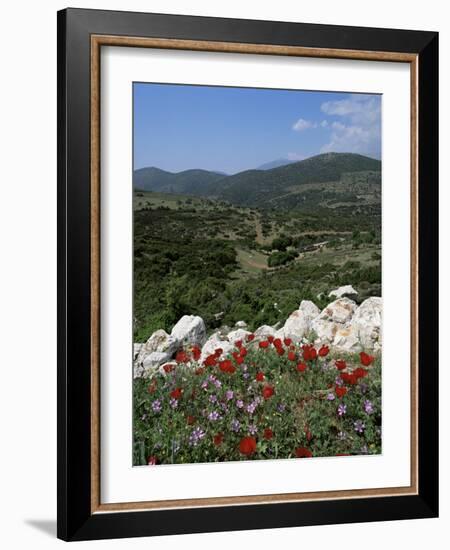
(75, 518)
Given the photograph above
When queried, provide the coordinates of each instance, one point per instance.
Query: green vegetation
(290, 405)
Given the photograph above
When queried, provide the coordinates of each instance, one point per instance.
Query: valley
(253, 245)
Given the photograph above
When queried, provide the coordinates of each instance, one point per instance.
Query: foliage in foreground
(267, 400)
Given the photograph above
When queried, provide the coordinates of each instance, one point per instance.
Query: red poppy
(268, 433)
(168, 367)
(366, 359)
(341, 391)
(218, 352)
(287, 342)
(264, 344)
(250, 337)
(349, 378)
(181, 357)
(270, 339)
(301, 367)
(199, 370)
(292, 356)
(152, 460)
(247, 445)
(360, 372)
(239, 360)
(278, 343)
(280, 351)
(238, 343)
(268, 391)
(218, 439)
(176, 393)
(243, 352)
(324, 351)
(190, 419)
(303, 452)
(227, 366)
(152, 387)
(309, 352)
(196, 353)
(210, 361)
(259, 377)
(341, 364)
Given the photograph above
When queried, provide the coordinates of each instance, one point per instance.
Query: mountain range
(261, 186)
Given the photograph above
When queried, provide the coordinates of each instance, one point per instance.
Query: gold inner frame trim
(97, 41)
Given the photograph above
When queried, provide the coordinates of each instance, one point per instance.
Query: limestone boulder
(190, 330)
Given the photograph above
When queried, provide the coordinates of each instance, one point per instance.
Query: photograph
(257, 274)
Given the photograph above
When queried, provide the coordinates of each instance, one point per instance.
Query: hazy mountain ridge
(340, 172)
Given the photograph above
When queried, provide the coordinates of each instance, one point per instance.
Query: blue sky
(178, 127)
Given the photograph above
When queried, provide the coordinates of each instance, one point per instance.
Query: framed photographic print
(247, 274)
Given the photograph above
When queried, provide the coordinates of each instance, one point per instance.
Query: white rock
(215, 341)
(136, 349)
(153, 361)
(159, 341)
(261, 333)
(325, 330)
(309, 309)
(346, 339)
(367, 323)
(339, 311)
(342, 290)
(239, 334)
(299, 322)
(191, 330)
(241, 324)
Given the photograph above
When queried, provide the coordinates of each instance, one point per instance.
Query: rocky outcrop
(341, 324)
(216, 341)
(299, 322)
(367, 323)
(190, 329)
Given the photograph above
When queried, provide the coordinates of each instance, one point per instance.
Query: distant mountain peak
(274, 164)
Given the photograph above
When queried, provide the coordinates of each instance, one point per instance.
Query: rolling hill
(329, 178)
(189, 182)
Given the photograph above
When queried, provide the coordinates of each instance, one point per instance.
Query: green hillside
(260, 187)
(325, 180)
(188, 182)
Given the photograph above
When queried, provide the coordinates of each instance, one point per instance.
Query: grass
(197, 413)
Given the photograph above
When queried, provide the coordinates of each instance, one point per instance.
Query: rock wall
(342, 324)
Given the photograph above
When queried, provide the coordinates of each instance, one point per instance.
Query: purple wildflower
(359, 426)
(339, 381)
(213, 398)
(251, 407)
(281, 407)
(368, 407)
(239, 403)
(156, 406)
(252, 429)
(331, 397)
(235, 425)
(196, 435)
(173, 403)
(342, 409)
(213, 416)
(229, 394)
(342, 436)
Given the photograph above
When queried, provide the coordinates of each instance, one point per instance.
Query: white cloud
(360, 128)
(324, 123)
(303, 124)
